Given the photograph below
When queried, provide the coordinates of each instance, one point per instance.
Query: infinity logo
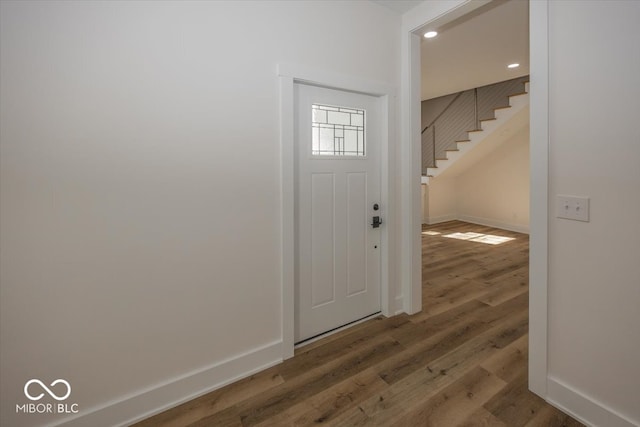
(47, 389)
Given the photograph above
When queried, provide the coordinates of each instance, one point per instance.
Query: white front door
(337, 193)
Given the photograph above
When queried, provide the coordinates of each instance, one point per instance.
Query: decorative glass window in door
(337, 131)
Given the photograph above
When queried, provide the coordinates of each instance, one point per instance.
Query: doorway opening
(416, 26)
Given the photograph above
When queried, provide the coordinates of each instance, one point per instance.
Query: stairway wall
(494, 191)
(440, 202)
(456, 119)
(432, 107)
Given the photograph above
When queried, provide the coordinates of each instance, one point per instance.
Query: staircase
(469, 118)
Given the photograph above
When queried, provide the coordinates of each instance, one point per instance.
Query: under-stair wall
(493, 191)
(449, 118)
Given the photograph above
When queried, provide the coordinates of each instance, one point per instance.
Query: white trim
(413, 289)
(287, 218)
(153, 400)
(493, 223)
(387, 300)
(539, 195)
(438, 219)
(411, 172)
(398, 306)
(437, 13)
(295, 73)
(592, 412)
(314, 76)
(477, 220)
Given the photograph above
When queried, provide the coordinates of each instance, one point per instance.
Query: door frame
(290, 74)
(437, 13)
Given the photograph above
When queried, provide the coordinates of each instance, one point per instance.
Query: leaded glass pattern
(337, 131)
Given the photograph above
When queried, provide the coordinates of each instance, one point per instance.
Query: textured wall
(456, 115)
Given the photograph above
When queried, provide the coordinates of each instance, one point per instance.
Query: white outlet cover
(572, 207)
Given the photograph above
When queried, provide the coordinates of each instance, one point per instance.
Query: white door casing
(338, 251)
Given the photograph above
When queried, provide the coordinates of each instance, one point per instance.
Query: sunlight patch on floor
(431, 233)
(489, 239)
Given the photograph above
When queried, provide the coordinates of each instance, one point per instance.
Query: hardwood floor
(462, 361)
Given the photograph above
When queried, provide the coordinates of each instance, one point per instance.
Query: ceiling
(399, 6)
(475, 50)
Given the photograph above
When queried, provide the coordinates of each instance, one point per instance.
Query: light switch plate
(572, 207)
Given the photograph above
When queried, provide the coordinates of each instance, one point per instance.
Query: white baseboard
(493, 223)
(476, 220)
(399, 305)
(583, 408)
(438, 219)
(145, 403)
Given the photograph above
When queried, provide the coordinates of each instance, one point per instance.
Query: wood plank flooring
(462, 361)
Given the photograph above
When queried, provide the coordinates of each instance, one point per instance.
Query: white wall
(594, 267)
(140, 181)
(492, 191)
(495, 191)
(441, 202)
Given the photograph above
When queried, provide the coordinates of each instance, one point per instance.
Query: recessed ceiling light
(430, 34)
(514, 65)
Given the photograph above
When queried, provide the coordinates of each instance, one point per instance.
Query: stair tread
(518, 94)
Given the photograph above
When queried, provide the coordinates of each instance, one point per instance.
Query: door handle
(376, 222)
